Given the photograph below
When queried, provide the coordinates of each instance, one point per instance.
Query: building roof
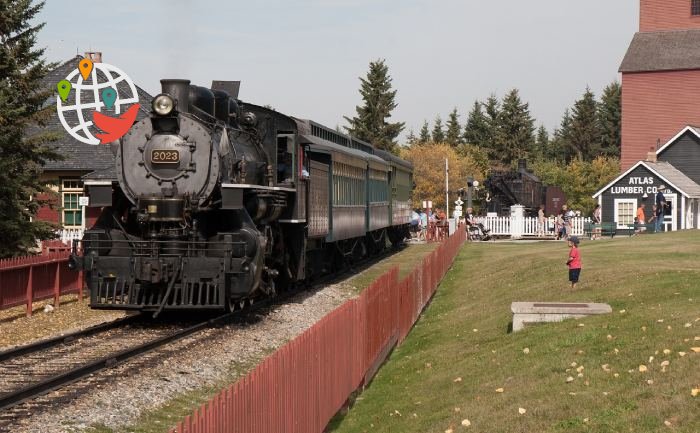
(670, 175)
(692, 129)
(78, 156)
(663, 51)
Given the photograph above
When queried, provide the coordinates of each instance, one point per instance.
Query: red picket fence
(24, 280)
(300, 387)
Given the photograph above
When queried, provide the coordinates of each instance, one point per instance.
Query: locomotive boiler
(215, 202)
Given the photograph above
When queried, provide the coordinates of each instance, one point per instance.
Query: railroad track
(33, 370)
(36, 369)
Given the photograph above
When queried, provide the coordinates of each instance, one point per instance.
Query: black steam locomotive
(217, 202)
(507, 188)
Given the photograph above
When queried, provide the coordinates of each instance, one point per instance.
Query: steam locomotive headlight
(163, 104)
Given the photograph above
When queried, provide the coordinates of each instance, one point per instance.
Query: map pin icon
(64, 87)
(109, 95)
(85, 67)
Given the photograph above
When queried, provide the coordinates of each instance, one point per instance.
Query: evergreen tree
(476, 131)
(585, 137)
(515, 134)
(492, 108)
(560, 148)
(438, 132)
(452, 137)
(411, 138)
(424, 135)
(541, 143)
(610, 119)
(21, 156)
(371, 124)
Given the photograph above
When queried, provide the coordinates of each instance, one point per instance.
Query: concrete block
(538, 312)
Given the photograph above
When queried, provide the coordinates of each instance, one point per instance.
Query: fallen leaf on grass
(660, 321)
(606, 368)
(475, 330)
(651, 358)
(449, 430)
(580, 368)
(526, 351)
(667, 423)
(688, 325)
(696, 338)
(499, 389)
(457, 409)
(522, 411)
(650, 382)
(642, 368)
(665, 363)
(694, 392)
(644, 328)
(580, 375)
(574, 364)
(581, 325)
(458, 379)
(623, 311)
(616, 374)
(466, 423)
(667, 351)
(610, 337)
(695, 349)
(569, 379)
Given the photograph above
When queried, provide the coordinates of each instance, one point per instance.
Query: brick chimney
(95, 56)
(651, 155)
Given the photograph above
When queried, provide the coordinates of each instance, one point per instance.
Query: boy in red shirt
(574, 261)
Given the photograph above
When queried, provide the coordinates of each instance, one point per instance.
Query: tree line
(496, 134)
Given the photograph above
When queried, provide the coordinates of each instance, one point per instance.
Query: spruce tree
(610, 119)
(411, 138)
(453, 135)
(560, 148)
(424, 135)
(541, 143)
(515, 134)
(585, 131)
(476, 131)
(371, 123)
(492, 108)
(438, 132)
(22, 152)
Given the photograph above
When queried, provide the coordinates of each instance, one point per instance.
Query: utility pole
(447, 189)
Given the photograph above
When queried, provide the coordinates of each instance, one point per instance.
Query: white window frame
(616, 214)
(71, 190)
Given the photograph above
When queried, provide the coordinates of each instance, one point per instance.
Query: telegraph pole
(447, 189)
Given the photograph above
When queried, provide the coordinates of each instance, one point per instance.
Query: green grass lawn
(581, 375)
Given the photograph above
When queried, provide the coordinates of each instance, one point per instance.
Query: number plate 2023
(165, 156)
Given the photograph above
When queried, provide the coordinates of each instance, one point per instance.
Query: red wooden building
(660, 77)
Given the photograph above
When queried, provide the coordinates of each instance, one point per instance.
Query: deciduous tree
(429, 171)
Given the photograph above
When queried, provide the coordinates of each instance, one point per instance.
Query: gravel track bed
(117, 397)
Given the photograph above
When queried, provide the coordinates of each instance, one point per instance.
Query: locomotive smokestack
(522, 165)
(179, 90)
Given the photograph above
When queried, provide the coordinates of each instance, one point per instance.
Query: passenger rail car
(215, 202)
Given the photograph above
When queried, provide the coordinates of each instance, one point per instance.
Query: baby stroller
(477, 232)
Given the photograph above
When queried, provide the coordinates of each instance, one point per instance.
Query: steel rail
(67, 338)
(21, 395)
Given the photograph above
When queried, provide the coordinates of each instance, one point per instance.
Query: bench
(602, 229)
(539, 312)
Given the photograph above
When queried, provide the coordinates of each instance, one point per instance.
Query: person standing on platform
(660, 208)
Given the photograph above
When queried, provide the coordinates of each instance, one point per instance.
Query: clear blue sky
(305, 57)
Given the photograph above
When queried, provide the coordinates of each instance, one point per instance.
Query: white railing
(68, 235)
(525, 227)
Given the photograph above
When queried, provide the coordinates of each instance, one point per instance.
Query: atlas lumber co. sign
(646, 185)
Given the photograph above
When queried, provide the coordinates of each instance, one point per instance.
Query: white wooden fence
(68, 235)
(518, 228)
